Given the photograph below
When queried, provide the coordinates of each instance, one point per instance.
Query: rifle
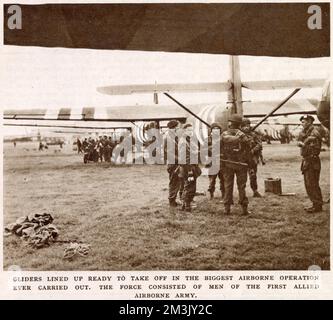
(235, 163)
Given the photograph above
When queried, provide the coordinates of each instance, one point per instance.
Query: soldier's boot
(227, 210)
(314, 209)
(173, 203)
(211, 195)
(245, 210)
(187, 206)
(222, 197)
(256, 194)
(232, 201)
(183, 206)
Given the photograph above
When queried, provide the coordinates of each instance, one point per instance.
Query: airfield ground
(123, 213)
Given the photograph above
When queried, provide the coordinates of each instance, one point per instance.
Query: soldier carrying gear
(255, 151)
(188, 172)
(235, 148)
(310, 144)
(215, 127)
(170, 143)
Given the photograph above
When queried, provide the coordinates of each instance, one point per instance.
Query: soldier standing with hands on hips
(310, 144)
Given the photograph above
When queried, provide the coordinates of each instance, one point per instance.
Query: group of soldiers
(97, 149)
(240, 154)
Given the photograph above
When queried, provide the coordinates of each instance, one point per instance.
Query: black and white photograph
(166, 136)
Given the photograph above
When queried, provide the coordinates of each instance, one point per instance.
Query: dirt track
(122, 212)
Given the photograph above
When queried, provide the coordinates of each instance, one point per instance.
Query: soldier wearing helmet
(235, 150)
(170, 143)
(310, 144)
(214, 128)
(255, 153)
(189, 170)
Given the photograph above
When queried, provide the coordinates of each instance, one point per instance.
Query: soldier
(85, 144)
(122, 151)
(215, 128)
(255, 152)
(107, 150)
(235, 159)
(79, 145)
(91, 146)
(112, 144)
(100, 148)
(310, 144)
(188, 172)
(170, 143)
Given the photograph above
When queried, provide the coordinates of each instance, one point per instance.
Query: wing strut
(186, 109)
(275, 109)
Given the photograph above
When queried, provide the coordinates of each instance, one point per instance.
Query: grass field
(123, 213)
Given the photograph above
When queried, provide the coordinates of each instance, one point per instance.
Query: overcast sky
(53, 77)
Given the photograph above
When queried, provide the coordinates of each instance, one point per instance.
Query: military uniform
(107, 150)
(311, 165)
(91, 145)
(213, 177)
(235, 148)
(255, 151)
(188, 173)
(100, 148)
(85, 144)
(79, 145)
(212, 182)
(170, 143)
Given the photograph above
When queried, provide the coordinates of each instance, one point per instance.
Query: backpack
(232, 148)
